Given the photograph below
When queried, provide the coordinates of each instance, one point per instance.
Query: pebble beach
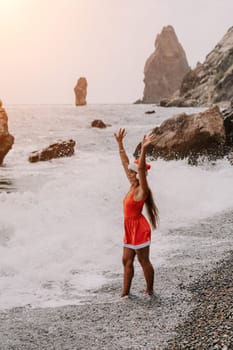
(210, 324)
(192, 308)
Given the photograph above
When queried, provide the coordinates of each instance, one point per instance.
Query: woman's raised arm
(124, 158)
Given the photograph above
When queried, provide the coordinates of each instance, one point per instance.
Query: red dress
(137, 229)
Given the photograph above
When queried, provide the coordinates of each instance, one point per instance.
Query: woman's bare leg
(148, 270)
(127, 259)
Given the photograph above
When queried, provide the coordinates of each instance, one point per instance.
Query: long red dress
(137, 229)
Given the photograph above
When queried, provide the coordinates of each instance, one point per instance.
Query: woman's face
(132, 176)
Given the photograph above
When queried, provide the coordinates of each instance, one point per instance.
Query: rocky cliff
(165, 68)
(211, 82)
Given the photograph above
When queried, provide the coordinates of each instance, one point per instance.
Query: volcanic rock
(80, 91)
(56, 150)
(201, 134)
(165, 68)
(6, 139)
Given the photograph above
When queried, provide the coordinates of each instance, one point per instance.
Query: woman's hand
(147, 140)
(120, 135)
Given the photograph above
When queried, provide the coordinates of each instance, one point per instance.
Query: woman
(137, 235)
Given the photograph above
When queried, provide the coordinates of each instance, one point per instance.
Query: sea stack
(6, 139)
(165, 68)
(80, 91)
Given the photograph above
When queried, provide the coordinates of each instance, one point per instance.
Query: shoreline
(182, 316)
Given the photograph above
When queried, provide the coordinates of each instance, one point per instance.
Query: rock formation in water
(80, 91)
(190, 136)
(98, 123)
(165, 68)
(6, 139)
(211, 82)
(56, 150)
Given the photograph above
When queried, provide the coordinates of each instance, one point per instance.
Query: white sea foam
(61, 230)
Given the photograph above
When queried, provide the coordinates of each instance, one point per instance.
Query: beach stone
(80, 91)
(56, 150)
(150, 112)
(189, 136)
(165, 67)
(6, 139)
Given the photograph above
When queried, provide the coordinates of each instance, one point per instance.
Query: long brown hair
(152, 210)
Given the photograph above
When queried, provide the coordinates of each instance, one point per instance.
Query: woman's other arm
(142, 164)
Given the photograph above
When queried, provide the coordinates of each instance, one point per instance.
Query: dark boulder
(98, 123)
(56, 150)
(150, 112)
(189, 136)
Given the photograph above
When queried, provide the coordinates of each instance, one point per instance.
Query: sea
(61, 221)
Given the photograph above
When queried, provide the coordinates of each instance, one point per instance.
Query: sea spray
(61, 228)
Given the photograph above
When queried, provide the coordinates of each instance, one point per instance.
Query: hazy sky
(46, 45)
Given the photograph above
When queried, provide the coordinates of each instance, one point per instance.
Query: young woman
(137, 237)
